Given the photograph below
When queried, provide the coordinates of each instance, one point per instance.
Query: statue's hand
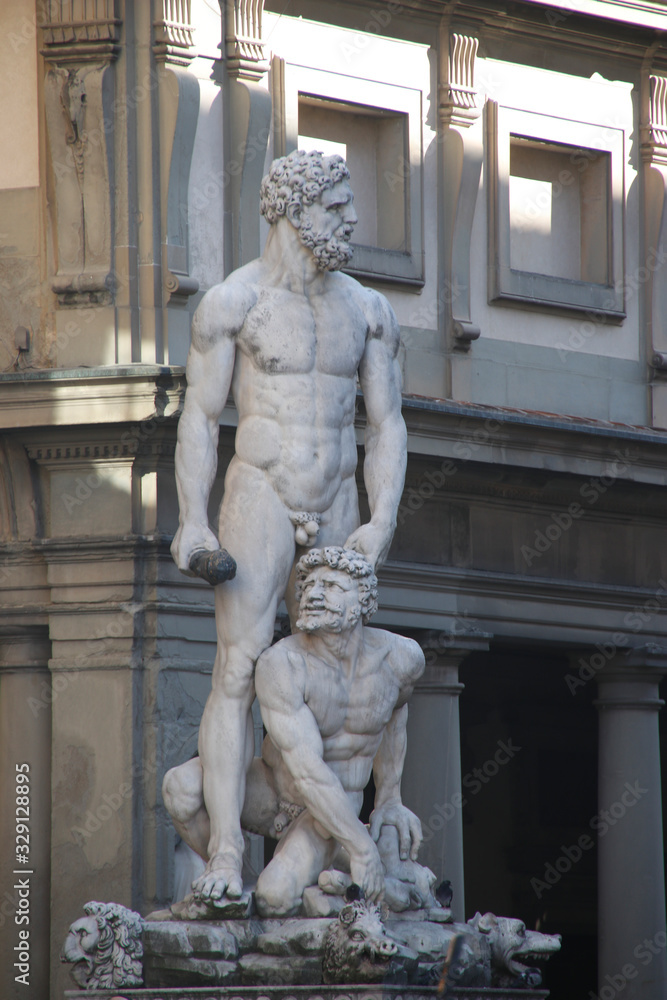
(189, 539)
(367, 871)
(372, 541)
(394, 813)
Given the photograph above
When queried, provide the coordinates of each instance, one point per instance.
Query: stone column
(632, 942)
(25, 741)
(431, 784)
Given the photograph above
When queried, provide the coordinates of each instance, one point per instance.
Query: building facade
(509, 164)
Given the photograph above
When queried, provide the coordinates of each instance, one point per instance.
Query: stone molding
(367, 992)
(244, 47)
(76, 397)
(508, 605)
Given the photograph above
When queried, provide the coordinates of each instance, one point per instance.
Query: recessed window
(376, 128)
(556, 215)
(559, 214)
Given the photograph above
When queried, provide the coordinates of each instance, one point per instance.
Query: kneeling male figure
(334, 702)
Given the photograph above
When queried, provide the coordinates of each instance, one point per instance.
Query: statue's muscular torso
(352, 709)
(294, 385)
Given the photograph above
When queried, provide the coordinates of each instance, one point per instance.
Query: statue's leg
(256, 530)
(300, 857)
(183, 794)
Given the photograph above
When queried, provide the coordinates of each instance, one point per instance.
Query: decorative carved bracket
(654, 130)
(244, 46)
(80, 31)
(80, 42)
(461, 151)
(653, 147)
(173, 32)
(458, 97)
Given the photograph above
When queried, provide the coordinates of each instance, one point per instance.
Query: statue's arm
(209, 370)
(390, 758)
(386, 436)
(293, 729)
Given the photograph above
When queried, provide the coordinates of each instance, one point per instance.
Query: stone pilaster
(247, 124)
(178, 93)
(25, 748)
(632, 943)
(431, 784)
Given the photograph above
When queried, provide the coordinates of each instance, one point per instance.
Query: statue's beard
(331, 254)
(326, 619)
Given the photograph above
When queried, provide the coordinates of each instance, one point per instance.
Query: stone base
(306, 993)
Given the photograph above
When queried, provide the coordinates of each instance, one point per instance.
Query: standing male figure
(289, 334)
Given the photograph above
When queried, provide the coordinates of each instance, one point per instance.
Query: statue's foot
(333, 882)
(220, 878)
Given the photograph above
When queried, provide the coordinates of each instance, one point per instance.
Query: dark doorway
(530, 851)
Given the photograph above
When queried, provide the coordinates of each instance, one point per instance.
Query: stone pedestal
(313, 993)
(631, 877)
(431, 784)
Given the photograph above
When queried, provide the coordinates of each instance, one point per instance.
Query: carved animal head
(356, 947)
(514, 950)
(105, 947)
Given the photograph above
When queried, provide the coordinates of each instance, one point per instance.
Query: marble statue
(289, 334)
(333, 698)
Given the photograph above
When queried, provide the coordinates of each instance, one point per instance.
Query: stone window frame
(371, 97)
(542, 290)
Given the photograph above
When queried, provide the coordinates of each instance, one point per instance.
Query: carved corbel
(249, 122)
(461, 153)
(179, 109)
(653, 133)
(79, 46)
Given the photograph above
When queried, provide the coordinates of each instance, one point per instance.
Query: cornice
(89, 396)
(605, 28)
(515, 607)
(529, 439)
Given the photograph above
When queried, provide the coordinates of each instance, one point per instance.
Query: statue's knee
(277, 893)
(182, 795)
(235, 679)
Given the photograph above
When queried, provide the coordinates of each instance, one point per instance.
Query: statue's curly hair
(298, 180)
(350, 562)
